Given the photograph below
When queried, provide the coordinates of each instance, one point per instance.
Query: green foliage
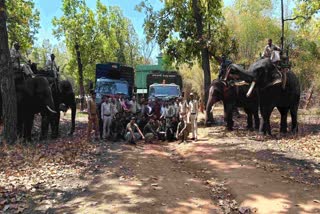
(174, 28)
(307, 9)
(103, 35)
(41, 54)
(193, 80)
(251, 25)
(23, 22)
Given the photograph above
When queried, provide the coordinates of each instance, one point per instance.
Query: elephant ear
(217, 86)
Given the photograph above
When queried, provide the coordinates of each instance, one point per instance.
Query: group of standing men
(147, 119)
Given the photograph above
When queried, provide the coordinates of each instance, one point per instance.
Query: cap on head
(191, 94)
(133, 118)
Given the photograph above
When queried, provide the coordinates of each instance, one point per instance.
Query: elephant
(232, 96)
(64, 98)
(33, 96)
(276, 88)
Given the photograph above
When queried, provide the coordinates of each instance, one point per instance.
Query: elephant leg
(54, 122)
(265, 121)
(229, 114)
(283, 123)
(44, 127)
(209, 116)
(28, 123)
(256, 120)
(20, 124)
(294, 119)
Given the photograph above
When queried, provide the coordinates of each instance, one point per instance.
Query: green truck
(153, 81)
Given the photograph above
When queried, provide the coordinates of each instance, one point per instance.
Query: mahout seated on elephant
(274, 90)
(233, 94)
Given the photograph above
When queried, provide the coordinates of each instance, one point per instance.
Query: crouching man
(133, 132)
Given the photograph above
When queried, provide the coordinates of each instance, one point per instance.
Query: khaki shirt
(92, 107)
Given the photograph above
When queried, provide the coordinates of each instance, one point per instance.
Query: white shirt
(183, 107)
(106, 109)
(193, 105)
(269, 49)
(176, 109)
(134, 106)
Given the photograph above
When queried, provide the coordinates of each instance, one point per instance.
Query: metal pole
(282, 25)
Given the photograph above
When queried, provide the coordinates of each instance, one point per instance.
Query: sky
(52, 8)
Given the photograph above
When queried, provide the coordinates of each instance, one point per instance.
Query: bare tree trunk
(204, 49)
(309, 96)
(80, 71)
(8, 92)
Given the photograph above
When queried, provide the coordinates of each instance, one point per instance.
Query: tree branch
(292, 19)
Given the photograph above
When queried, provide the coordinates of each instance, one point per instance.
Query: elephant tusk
(241, 83)
(251, 88)
(52, 111)
(276, 82)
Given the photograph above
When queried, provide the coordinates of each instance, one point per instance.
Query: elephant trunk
(251, 88)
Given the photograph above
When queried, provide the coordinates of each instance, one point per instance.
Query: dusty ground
(223, 172)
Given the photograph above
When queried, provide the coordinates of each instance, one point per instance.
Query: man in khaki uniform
(92, 116)
(193, 107)
(183, 110)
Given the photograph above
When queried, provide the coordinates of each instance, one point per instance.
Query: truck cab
(113, 79)
(164, 91)
(110, 87)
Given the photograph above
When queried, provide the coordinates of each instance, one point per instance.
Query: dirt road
(208, 176)
(223, 172)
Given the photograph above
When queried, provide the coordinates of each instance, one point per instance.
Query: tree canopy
(103, 35)
(23, 22)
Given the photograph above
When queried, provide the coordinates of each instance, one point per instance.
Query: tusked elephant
(276, 88)
(64, 98)
(33, 96)
(232, 96)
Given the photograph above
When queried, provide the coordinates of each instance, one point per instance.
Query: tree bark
(8, 92)
(80, 71)
(309, 96)
(204, 49)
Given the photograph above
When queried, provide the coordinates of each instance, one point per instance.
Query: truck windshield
(166, 90)
(112, 88)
